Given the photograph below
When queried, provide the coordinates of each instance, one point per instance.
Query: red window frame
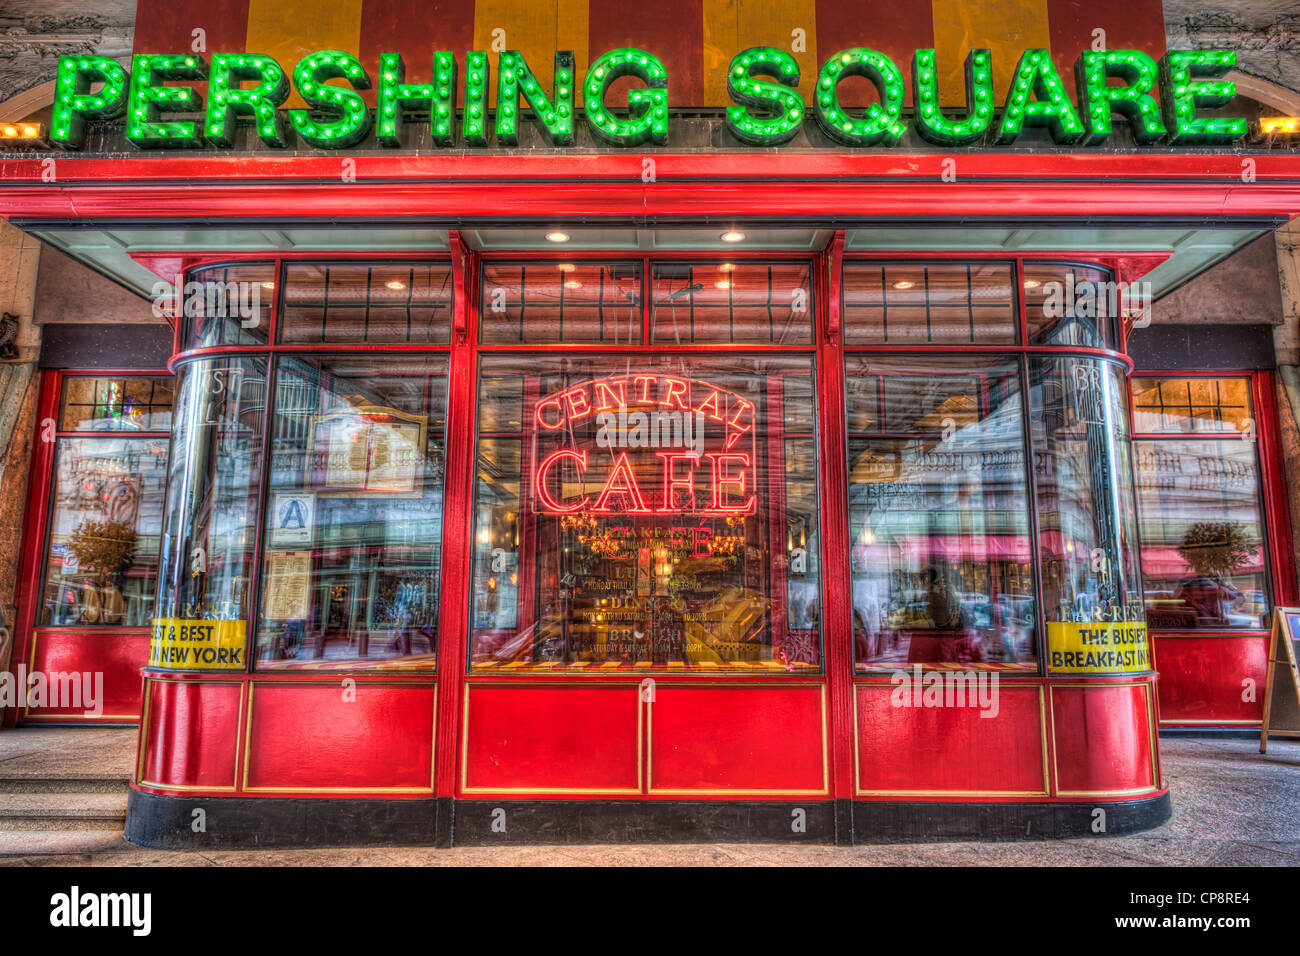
(39, 509)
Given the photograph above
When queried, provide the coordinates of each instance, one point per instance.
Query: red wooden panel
(167, 27)
(1129, 25)
(895, 29)
(942, 750)
(737, 740)
(191, 735)
(547, 739)
(117, 657)
(308, 736)
(1103, 738)
(1201, 678)
(673, 30)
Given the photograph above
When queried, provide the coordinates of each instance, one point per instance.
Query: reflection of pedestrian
(1211, 599)
(945, 608)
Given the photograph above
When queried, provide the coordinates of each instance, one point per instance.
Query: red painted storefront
(761, 743)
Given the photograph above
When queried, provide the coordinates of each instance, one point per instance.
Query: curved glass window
(1087, 522)
(941, 558)
(227, 304)
(210, 523)
(1071, 305)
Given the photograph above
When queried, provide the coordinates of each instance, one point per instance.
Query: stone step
(62, 783)
(62, 811)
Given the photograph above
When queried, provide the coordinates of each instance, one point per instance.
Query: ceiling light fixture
(395, 285)
(732, 236)
(557, 236)
(903, 284)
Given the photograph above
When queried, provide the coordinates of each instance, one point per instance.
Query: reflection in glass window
(133, 403)
(1071, 305)
(1203, 549)
(736, 302)
(1191, 405)
(353, 521)
(650, 514)
(211, 512)
(942, 567)
(538, 302)
(102, 563)
(406, 303)
(929, 303)
(1087, 528)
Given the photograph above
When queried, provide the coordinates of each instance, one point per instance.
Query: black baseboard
(167, 822)
(945, 822)
(246, 823)
(492, 822)
(1219, 733)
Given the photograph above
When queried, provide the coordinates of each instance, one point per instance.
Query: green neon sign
(1160, 101)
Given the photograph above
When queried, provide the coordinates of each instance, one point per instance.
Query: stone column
(19, 254)
(1286, 345)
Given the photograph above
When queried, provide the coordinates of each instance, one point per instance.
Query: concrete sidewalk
(1232, 806)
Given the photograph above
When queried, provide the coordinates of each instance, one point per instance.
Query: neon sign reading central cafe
(1159, 99)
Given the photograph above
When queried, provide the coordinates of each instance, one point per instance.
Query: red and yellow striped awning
(695, 39)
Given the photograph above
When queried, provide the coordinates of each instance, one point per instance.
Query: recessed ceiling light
(1032, 283)
(732, 236)
(903, 284)
(395, 285)
(723, 284)
(268, 285)
(573, 284)
(566, 267)
(557, 236)
(727, 267)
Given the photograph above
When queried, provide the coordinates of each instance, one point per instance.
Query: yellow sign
(1097, 647)
(178, 644)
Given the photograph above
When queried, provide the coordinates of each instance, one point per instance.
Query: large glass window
(651, 512)
(210, 522)
(352, 528)
(941, 560)
(549, 302)
(733, 302)
(1203, 547)
(102, 549)
(1087, 534)
(929, 303)
(395, 303)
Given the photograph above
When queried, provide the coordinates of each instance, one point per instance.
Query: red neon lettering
(543, 472)
(700, 542)
(710, 405)
(743, 406)
(645, 381)
(672, 482)
(621, 481)
(723, 480)
(576, 398)
(607, 397)
(676, 389)
(553, 402)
